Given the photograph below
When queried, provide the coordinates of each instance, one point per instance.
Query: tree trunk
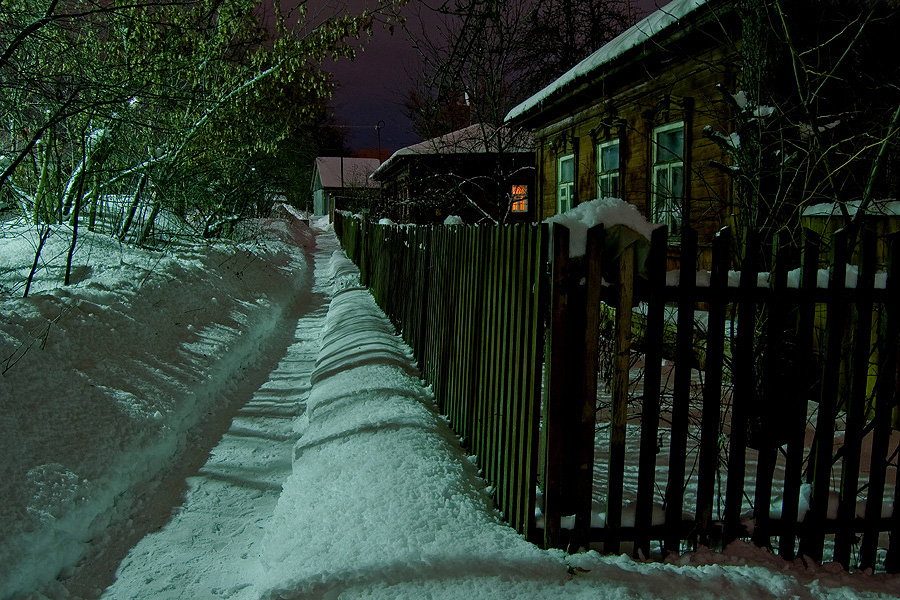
(133, 209)
(75, 210)
(148, 225)
(42, 182)
(44, 234)
(95, 198)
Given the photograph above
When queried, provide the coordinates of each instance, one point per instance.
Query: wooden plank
(472, 403)
(682, 391)
(459, 303)
(856, 407)
(619, 409)
(484, 399)
(742, 396)
(491, 364)
(500, 372)
(813, 540)
(515, 307)
(656, 266)
(584, 330)
(519, 383)
(555, 426)
(799, 398)
(886, 397)
(514, 394)
(540, 301)
(467, 346)
(712, 387)
(451, 281)
(773, 390)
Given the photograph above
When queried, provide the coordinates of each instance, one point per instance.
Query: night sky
(371, 88)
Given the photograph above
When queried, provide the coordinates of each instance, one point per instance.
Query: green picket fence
(486, 308)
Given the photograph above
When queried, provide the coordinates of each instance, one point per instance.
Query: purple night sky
(371, 88)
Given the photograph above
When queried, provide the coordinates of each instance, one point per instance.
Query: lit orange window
(519, 197)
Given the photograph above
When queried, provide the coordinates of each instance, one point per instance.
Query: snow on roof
(479, 138)
(356, 171)
(643, 30)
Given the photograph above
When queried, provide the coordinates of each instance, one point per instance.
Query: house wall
(679, 85)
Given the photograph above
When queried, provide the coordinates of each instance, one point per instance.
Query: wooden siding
(683, 90)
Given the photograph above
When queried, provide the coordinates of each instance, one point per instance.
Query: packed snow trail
(380, 501)
(210, 548)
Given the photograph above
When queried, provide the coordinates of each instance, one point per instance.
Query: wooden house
(478, 173)
(628, 121)
(340, 183)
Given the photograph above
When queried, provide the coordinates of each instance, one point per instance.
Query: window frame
(518, 201)
(666, 207)
(568, 186)
(609, 175)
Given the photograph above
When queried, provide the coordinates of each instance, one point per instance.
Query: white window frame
(666, 206)
(608, 174)
(564, 190)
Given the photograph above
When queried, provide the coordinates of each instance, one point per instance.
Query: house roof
(336, 172)
(666, 18)
(479, 138)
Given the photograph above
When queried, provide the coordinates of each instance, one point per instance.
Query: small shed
(343, 183)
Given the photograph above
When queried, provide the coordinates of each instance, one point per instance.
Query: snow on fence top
(639, 33)
(609, 212)
(885, 208)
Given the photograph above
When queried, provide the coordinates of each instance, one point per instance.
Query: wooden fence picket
(485, 308)
(681, 396)
(856, 406)
(656, 269)
(886, 399)
(798, 397)
(708, 460)
(743, 385)
(813, 541)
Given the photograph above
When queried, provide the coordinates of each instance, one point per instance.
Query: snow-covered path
(211, 547)
(311, 464)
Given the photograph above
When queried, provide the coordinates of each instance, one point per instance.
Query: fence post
(855, 405)
(681, 397)
(888, 397)
(712, 388)
(591, 273)
(656, 266)
(619, 412)
(425, 238)
(769, 434)
(813, 539)
(554, 409)
(743, 385)
(799, 399)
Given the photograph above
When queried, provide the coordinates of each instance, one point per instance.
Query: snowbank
(382, 503)
(103, 380)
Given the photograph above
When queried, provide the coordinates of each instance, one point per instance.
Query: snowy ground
(167, 434)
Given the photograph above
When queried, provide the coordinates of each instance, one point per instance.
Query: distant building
(340, 183)
(479, 173)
